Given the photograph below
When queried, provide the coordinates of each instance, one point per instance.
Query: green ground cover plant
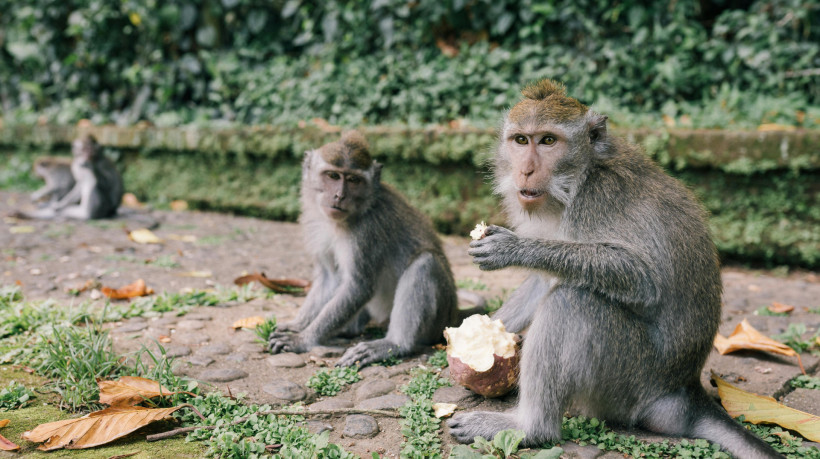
(329, 382)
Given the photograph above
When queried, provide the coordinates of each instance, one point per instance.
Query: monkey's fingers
(495, 229)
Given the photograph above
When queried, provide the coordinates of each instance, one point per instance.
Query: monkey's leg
(72, 197)
(324, 284)
(517, 312)
(690, 412)
(543, 392)
(417, 304)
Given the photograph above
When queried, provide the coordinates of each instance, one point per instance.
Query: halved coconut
(483, 356)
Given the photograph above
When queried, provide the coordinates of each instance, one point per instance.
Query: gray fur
(56, 172)
(382, 263)
(625, 328)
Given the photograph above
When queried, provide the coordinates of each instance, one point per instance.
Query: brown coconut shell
(495, 382)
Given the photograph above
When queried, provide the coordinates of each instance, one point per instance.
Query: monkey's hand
(286, 342)
(495, 250)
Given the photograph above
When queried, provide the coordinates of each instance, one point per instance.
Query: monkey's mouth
(530, 194)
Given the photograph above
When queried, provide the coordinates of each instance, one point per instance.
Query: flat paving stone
(333, 403)
(177, 350)
(188, 324)
(131, 327)
(285, 390)
(236, 357)
(197, 316)
(190, 338)
(360, 426)
(215, 349)
(807, 400)
(576, 451)
(251, 348)
(371, 388)
(385, 402)
(326, 352)
(286, 360)
(200, 360)
(459, 395)
(374, 371)
(223, 375)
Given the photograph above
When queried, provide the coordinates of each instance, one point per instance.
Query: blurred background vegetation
(701, 63)
(428, 79)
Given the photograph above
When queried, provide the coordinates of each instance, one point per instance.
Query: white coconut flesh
(477, 340)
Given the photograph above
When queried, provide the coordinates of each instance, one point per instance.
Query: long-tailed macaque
(376, 258)
(56, 172)
(623, 299)
(98, 187)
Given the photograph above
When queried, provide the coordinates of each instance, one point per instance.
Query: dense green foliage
(708, 63)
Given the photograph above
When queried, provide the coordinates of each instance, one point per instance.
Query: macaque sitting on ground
(623, 298)
(376, 259)
(98, 187)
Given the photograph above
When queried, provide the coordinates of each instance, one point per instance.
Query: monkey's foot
(285, 342)
(464, 427)
(368, 352)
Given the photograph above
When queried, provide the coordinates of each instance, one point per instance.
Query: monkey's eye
(354, 179)
(520, 140)
(548, 140)
(334, 175)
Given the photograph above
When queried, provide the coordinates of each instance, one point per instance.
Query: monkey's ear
(597, 132)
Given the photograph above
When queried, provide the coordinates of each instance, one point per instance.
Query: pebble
(164, 321)
(236, 357)
(215, 349)
(385, 402)
(131, 327)
(286, 360)
(325, 352)
(360, 426)
(374, 371)
(177, 350)
(461, 396)
(190, 325)
(190, 338)
(285, 390)
(374, 388)
(200, 360)
(223, 375)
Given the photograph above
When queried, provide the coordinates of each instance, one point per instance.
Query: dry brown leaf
(130, 390)
(97, 428)
(90, 284)
(283, 285)
(137, 288)
(745, 337)
(178, 205)
(759, 409)
(144, 236)
(779, 308)
(248, 322)
(165, 339)
(4, 422)
(5, 444)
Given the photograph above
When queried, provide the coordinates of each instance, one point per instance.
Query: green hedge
(719, 63)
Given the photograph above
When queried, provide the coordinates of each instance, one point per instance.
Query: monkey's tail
(713, 423)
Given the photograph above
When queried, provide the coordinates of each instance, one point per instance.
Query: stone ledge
(725, 149)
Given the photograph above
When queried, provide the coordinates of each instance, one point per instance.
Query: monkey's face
(533, 153)
(342, 193)
(84, 149)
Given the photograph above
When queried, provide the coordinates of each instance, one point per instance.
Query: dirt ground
(46, 258)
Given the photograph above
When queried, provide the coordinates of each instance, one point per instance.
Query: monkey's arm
(319, 294)
(516, 313)
(43, 192)
(615, 270)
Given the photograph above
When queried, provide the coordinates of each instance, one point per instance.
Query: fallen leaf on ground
(745, 337)
(144, 236)
(97, 428)
(21, 229)
(443, 410)
(130, 390)
(5, 444)
(759, 409)
(164, 339)
(248, 322)
(87, 285)
(283, 285)
(130, 200)
(137, 288)
(779, 308)
(196, 274)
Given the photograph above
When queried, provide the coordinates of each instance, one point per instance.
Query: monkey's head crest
(546, 101)
(351, 151)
